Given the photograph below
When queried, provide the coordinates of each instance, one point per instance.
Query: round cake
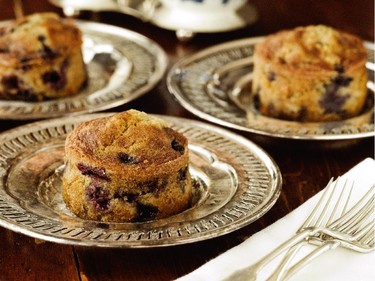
(312, 74)
(40, 58)
(128, 167)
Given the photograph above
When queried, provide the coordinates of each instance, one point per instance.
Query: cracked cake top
(37, 37)
(311, 49)
(128, 142)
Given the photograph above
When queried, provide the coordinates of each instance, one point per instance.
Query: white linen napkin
(339, 264)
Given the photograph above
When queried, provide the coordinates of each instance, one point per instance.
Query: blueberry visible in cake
(129, 167)
(40, 58)
(310, 74)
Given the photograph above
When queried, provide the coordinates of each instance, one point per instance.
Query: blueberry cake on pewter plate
(128, 167)
(312, 73)
(40, 58)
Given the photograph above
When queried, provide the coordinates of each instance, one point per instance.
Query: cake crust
(52, 34)
(311, 74)
(126, 167)
(40, 58)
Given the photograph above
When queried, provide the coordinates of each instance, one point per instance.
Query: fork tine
(331, 194)
(309, 221)
(365, 230)
(359, 219)
(369, 237)
(334, 212)
(350, 216)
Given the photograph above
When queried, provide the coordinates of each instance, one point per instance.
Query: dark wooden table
(305, 166)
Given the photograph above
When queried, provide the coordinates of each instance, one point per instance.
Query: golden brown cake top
(126, 141)
(36, 38)
(313, 48)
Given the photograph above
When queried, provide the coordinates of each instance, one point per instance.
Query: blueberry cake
(128, 167)
(40, 58)
(310, 74)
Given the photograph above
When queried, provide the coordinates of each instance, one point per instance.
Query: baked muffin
(128, 167)
(312, 73)
(40, 58)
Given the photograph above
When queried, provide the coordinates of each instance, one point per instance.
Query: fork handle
(250, 273)
(282, 268)
(329, 245)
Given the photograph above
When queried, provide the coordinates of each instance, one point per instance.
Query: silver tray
(215, 83)
(235, 182)
(122, 65)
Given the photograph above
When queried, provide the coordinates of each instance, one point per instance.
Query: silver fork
(363, 244)
(353, 230)
(315, 223)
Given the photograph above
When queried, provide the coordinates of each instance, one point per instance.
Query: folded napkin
(339, 264)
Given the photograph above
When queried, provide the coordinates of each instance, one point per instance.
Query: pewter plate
(122, 65)
(215, 83)
(235, 182)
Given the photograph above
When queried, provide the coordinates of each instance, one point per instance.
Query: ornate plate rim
(175, 90)
(11, 147)
(161, 63)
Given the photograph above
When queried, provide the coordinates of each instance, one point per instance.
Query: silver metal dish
(175, 16)
(198, 21)
(235, 182)
(215, 83)
(122, 65)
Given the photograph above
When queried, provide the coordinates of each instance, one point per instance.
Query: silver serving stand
(186, 23)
